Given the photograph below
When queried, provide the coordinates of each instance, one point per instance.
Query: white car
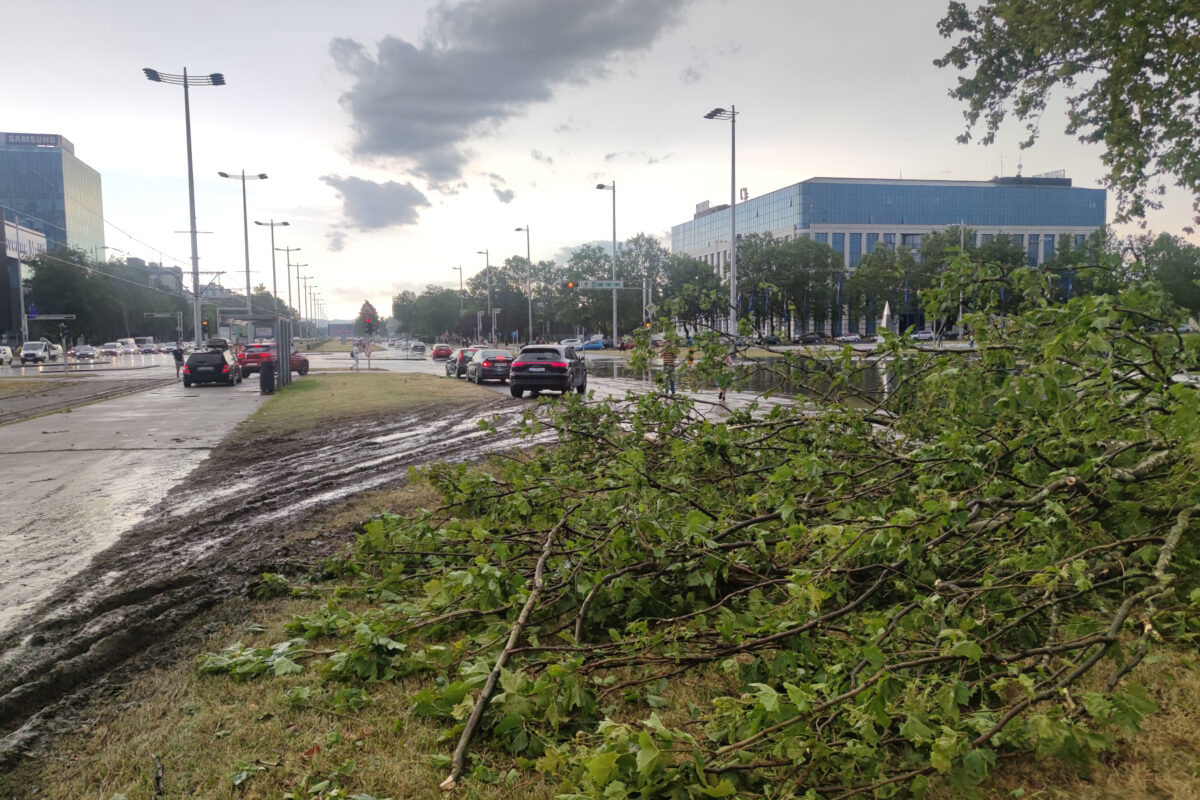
(571, 342)
(849, 338)
(6, 354)
(922, 336)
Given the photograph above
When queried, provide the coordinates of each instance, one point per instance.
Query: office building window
(823, 238)
(889, 241)
(855, 249)
(1031, 254)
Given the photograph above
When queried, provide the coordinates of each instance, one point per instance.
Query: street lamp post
(243, 177)
(460, 289)
(613, 188)
(731, 115)
(488, 266)
(213, 79)
(528, 280)
(274, 285)
(300, 298)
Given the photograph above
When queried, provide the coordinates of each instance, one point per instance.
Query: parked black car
(769, 339)
(552, 367)
(212, 366)
(489, 365)
(456, 364)
(812, 337)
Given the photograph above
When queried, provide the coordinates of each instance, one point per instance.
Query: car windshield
(206, 358)
(498, 354)
(542, 354)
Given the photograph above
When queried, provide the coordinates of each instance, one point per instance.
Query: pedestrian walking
(178, 354)
(725, 378)
(354, 355)
(668, 359)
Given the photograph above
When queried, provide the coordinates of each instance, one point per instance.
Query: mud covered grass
(317, 399)
(214, 737)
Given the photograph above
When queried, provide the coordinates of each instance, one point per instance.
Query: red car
(441, 351)
(255, 354)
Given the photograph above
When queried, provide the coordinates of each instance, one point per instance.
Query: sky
(403, 137)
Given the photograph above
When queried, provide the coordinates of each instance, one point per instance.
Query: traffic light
(204, 327)
(570, 285)
(647, 324)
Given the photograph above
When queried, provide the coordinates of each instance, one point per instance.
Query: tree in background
(1175, 265)
(1130, 72)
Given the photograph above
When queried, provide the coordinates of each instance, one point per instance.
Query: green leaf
(967, 649)
(600, 767)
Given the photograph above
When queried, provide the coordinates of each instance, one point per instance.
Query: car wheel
(582, 387)
(516, 391)
(303, 368)
(187, 384)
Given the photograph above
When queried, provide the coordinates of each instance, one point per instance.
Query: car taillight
(225, 368)
(186, 371)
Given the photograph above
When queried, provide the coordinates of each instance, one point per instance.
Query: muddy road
(223, 525)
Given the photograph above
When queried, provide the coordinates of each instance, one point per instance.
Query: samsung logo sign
(36, 139)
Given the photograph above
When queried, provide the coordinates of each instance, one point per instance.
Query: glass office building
(43, 186)
(854, 215)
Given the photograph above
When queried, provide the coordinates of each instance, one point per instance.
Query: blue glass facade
(48, 189)
(899, 212)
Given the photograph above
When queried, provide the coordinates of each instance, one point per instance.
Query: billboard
(30, 242)
(341, 329)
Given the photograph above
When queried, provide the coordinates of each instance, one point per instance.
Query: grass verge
(347, 396)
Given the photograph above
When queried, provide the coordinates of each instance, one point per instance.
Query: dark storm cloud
(479, 63)
(368, 205)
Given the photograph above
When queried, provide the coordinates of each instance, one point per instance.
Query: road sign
(651, 308)
(607, 285)
(150, 314)
(51, 316)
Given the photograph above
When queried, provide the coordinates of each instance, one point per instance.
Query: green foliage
(1127, 69)
(838, 597)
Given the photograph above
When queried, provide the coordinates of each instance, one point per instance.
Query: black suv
(212, 366)
(554, 367)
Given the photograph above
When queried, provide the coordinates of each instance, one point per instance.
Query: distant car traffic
(540, 367)
(6, 354)
(922, 336)
(456, 364)
(109, 349)
(252, 357)
(592, 344)
(572, 342)
(85, 352)
(416, 347)
(441, 351)
(212, 366)
(770, 340)
(849, 338)
(489, 365)
(129, 349)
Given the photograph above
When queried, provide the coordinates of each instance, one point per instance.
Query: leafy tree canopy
(1130, 69)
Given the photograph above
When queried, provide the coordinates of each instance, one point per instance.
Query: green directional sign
(607, 285)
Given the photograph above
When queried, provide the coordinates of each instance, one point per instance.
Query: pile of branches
(834, 598)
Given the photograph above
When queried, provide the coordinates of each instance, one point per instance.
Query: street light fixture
(460, 289)
(613, 188)
(300, 297)
(731, 115)
(488, 265)
(212, 79)
(243, 177)
(528, 280)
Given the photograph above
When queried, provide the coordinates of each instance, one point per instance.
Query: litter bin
(266, 376)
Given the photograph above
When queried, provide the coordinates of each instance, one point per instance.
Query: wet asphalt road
(73, 482)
